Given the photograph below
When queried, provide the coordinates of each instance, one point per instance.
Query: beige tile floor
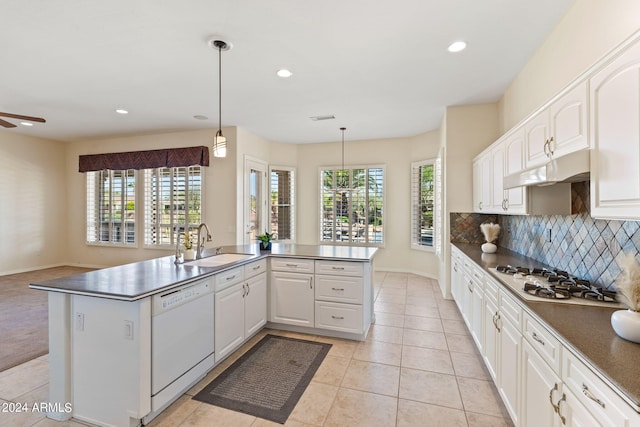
(418, 367)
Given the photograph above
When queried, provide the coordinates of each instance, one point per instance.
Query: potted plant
(626, 323)
(265, 241)
(189, 251)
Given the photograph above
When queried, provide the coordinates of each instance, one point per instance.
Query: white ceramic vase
(626, 323)
(489, 248)
(189, 254)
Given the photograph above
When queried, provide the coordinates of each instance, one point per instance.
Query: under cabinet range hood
(572, 167)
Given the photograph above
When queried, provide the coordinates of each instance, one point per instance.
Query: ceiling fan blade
(6, 124)
(19, 117)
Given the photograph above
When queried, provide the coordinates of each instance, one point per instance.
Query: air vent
(325, 117)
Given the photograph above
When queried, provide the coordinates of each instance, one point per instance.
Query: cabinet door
(292, 298)
(456, 277)
(477, 186)
(498, 203)
(467, 292)
(476, 317)
(575, 414)
(542, 390)
(490, 353)
(255, 304)
(568, 117)
(536, 134)
(514, 162)
(615, 133)
(229, 320)
(486, 192)
(509, 345)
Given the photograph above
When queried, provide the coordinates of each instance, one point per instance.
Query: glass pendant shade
(220, 145)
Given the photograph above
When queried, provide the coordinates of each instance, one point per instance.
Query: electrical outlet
(549, 235)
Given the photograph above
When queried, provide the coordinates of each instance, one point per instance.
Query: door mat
(268, 380)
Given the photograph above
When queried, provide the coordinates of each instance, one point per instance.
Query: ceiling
(381, 67)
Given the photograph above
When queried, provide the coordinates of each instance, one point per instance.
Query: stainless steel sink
(218, 260)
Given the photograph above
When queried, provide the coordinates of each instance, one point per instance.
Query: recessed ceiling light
(457, 46)
(26, 124)
(200, 117)
(284, 73)
(121, 111)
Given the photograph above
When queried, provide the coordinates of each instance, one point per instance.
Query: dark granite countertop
(131, 282)
(585, 329)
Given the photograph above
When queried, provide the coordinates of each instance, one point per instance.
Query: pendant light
(220, 142)
(343, 183)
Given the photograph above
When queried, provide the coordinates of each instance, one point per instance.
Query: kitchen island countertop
(585, 329)
(131, 282)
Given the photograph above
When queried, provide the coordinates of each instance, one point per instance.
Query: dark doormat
(268, 380)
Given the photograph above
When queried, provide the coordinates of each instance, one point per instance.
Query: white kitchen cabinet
(477, 186)
(559, 129)
(241, 306)
(542, 390)
(292, 298)
(477, 321)
(498, 197)
(229, 320)
(456, 276)
(615, 133)
(516, 198)
(482, 180)
(490, 315)
(509, 342)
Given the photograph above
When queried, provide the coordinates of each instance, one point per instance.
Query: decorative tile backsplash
(586, 247)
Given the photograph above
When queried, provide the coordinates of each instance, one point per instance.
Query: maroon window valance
(149, 159)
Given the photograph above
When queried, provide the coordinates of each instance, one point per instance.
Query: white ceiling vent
(325, 117)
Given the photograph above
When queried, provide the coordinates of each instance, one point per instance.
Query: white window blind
(423, 204)
(111, 199)
(173, 203)
(352, 205)
(282, 182)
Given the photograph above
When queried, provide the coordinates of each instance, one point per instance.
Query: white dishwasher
(182, 339)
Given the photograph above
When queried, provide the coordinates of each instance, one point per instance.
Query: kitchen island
(126, 341)
(580, 350)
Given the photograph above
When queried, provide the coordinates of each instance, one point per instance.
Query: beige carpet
(24, 331)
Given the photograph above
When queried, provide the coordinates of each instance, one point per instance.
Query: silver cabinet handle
(480, 206)
(248, 289)
(545, 148)
(470, 286)
(337, 289)
(337, 268)
(455, 268)
(231, 277)
(555, 407)
(551, 150)
(537, 338)
(244, 291)
(291, 265)
(587, 392)
(496, 317)
(257, 267)
(311, 282)
(562, 417)
(337, 317)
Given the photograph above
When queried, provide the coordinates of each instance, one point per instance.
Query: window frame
(292, 196)
(416, 205)
(351, 168)
(92, 197)
(146, 223)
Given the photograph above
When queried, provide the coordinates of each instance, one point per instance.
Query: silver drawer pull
(337, 317)
(291, 265)
(587, 392)
(231, 277)
(337, 289)
(337, 268)
(257, 267)
(470, 287)
(537, 338)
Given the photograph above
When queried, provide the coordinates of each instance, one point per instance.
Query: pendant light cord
(343, 184)
(220, 89)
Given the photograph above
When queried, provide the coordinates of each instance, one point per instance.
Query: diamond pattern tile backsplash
(586, 247)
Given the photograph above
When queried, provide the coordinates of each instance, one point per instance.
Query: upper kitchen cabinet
(515, 198)
(615, 133)
(559, 129)
(482, 180)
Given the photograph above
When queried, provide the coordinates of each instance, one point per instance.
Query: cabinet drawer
(491, 290)
(255, 268)
(339, 289)
(229, 278)
(510, 309)
(339, 268)
(295, 265)
(545, 344)
(339, 317)
(595, 395)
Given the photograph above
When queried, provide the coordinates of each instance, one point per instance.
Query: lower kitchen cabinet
(255, 304)
(229, 320)
(542, 391)
(509, 343)
(292, 298)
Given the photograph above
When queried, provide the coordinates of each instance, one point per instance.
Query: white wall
(396, 155)
(589, 29)
(33, 203)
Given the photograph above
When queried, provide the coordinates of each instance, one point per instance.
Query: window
(352, 205)
(111, 202)
(283, 203)
(423, 204)
(173, 203)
